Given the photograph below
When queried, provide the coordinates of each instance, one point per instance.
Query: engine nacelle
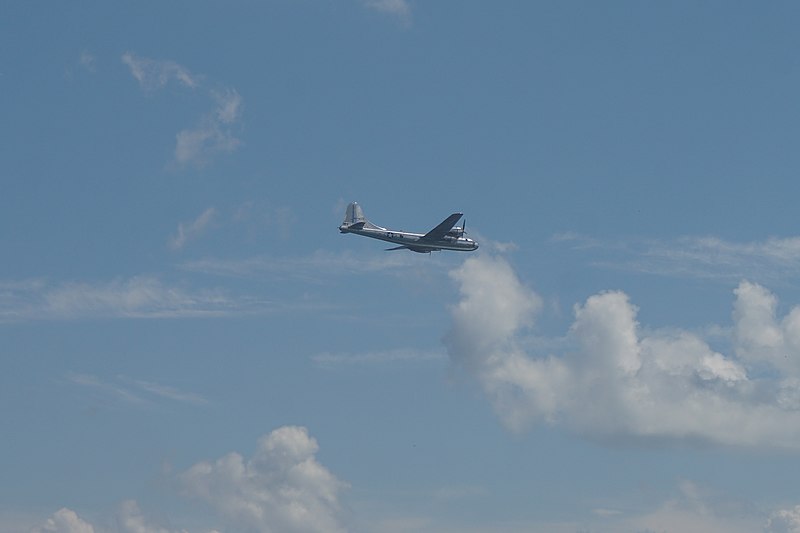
(456, 232)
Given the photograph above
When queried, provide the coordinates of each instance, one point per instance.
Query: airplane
(445, 236)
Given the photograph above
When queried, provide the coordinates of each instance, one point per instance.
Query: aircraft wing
(441, 230)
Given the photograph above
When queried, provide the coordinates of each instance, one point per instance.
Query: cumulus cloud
(64, 521)
(614, 380)
(132, 520)
(281, 488)
(188, 231)
(784, 521)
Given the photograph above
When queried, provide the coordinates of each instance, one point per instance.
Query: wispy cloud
(376, 357)
(501, 247)
(136, 392)
(111, 389)
(460, 492)
(170, 393)
(214, 132)
(188, 231)
(136, 297)
(154, 74)
(229, 105)
(321, 264)
(88, 61)
(397, 8)
(709, 257)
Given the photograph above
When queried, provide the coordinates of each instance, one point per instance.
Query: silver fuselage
(412, 240)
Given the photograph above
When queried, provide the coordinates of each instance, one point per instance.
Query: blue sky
(189, 345)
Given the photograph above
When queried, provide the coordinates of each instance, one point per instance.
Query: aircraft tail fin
(354, 219)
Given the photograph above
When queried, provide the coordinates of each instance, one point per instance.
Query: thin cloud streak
(397, 8)
(188, 231)
(328, 359)
(308, 267)
(153, 74)
(118, 392)
(136, 392)
(773, 259)
(171, 393)
(137, 297)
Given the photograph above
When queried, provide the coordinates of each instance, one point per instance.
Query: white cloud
(88, 61)
(695, 509)
(132, 520)
(213, 133)
(170, 393)
(115, 390)
(64, 521)
(281, 488)
(137, 392)
(319, 264)
(397, 8)
(196, 145)
(136, 297)
(376, 357)
(774, 259)
(784, 521)
(154, 74)
(760, 336)
(616, 381)
(229, 105)
(192, 230)
(688, 509)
